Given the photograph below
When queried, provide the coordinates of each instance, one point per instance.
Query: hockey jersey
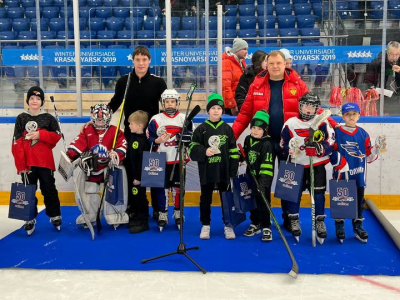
(218, 168)
(295, 127)
(28, 153)
(356, 148)
(173, 125)
(98, 142)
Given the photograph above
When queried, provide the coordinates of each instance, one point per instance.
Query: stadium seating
(126, 34)
(154, 11)
(87, 35)
(247, 22)
(310, 32)
(246, 34)
(48, 35)
(286, 21)
(57, 24)
(30, 12)
(146, 34)
(152, 23)
(229, 23)
(50, 12)
(302, 8)
(103, 12)
(86, 12)
(135, 24)
(261, 12)
(20, 24)
(15, 12)
(343, 9)
(161, 34)
(45, 3)
(229, 34)
(115, 23)
(7, 35)
(269, 20)
(175, 23)
(212, 23)
(82, 24)
(11, 3)
(61, 3)
(230, 10)
(186, 34)
(143, 3)
(283, 9)
(189, 23)
(27, 35)
(139, 11)
(108, 35)
(305, 21)
(69, 12)
(212, 34)
(94, 3)
(121, 12)
(3, 12)
(247, 10)
(288, 32)
(28, 3)
(5, 24)
(62, 35)
(96, 24)
(110, 3)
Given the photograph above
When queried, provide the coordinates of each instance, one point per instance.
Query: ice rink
(120, 285)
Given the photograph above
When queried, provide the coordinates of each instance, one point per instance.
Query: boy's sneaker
(56, 221)
(295, 226)
(267, 235)
(340, 233)
(178, 219)
(321, 228)
(229, 233)
(359, 231)
(253, 230)
(162, 220)
(205, 232)
(29, 226)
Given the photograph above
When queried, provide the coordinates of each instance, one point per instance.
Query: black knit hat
(35, 91)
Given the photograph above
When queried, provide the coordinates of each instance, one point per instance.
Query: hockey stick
(78, 198)
(313, 128)
(98, 220)
(295, 267)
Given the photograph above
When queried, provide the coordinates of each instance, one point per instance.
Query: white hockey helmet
(170, 94)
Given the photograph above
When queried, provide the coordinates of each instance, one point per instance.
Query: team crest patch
(258, 123)
(293, 92)
(220, 103)
(135, 145)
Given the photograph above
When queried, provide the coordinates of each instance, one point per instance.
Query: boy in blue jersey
(353, 145)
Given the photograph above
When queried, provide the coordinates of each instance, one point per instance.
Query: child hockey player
(139, 205)
(94, 148)
(353, 146)
(213, 146)
(259, 150)
(296, 132)
(36, 133)
(163, 132)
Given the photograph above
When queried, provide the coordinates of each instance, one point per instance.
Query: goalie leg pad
(89, 192)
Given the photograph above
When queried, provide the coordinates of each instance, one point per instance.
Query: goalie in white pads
(295, 136)
(93, 147)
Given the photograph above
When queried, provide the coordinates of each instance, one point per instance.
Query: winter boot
(267, 235)
(29, 226)
(56, 221)
(359, 231)
(321, 228)
(162, 220)
(339, 225)
(178, 219)
(295, 226)
(253, 230)
(140, 224)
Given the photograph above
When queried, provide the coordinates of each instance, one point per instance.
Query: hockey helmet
(101, 116)
(309, 99)
(170, 94)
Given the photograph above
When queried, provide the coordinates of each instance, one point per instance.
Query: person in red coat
(233, 66)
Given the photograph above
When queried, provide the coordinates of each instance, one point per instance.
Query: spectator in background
(233, 66)
(288, 57)
(259, 63)
(212, 6)
(178, 7)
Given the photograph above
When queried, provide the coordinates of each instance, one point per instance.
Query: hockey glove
(315, 149)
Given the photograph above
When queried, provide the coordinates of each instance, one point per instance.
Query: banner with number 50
(289, 181)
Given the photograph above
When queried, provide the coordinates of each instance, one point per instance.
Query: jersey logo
(100, 150)
(304, 133)
(135, 145)
(353, 149)
(173, 130)
(252, 156)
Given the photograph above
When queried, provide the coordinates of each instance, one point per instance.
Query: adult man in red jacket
(233, 66)
(277, 90)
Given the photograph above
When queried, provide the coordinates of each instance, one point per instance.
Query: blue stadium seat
(96, 24)
(229, 34)
(143, 3)
(50, 12)
(48, 35)
(343, 9)
(61, 3)
(20, 24)
(63, 34)
(44, 24)
(69, 12)
(11, 3)
(310, 32)
(59, 73)
(111, 3)
(247, 10)
(270, 33)
(15, 12)
(82, 3)
(212, 22)
(152, 23)
(178, 75)
(121, 12)
(135, 25)
(114, 23)
(354, 9)
(189, 23)
(103, 12)
(394, 9)
(57, 24)
(13, 73)
(186, 34)
(162, 35)
(229, 23)
(3, 13)
(230, 10)
(94, 3)
(139, 11)
(30, 12)
(86, 12)
(45, 3)
(317, 8)
(261, 12)
(28, 3)
(125, 70)
(305, 21)
(304, 1)
(87, 35)
(283, 9)
(175, 23)
(106, 34)
(286, 21)
(288, 32)
(212, 34)
(269, 20)
(27, 35)
(247, 22)
(246, 34)
(261, 2)
(126, 34)
(126, 3)
(109, 73)
(247, 2)
(146, 34)
(154, 11)
(82, 24)
(302, 9)
(7, 35)
(5, 24)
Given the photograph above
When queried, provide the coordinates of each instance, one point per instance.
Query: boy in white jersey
(164, 132)
(296, 142)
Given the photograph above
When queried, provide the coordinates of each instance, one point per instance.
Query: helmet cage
(309, 100)
(170, 94)
(101, 112)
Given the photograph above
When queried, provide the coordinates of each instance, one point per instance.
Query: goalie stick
(78, 198)
(319, 119)
(295, 267)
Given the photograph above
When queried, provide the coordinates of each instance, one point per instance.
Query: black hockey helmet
(309, 99)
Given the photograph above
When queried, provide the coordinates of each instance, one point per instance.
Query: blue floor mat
(73, 249)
